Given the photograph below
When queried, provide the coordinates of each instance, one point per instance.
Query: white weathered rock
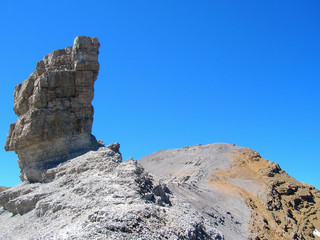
(97, 196)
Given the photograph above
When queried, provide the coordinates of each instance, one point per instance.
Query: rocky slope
(216, 191)
(239, 192)
(97, 196)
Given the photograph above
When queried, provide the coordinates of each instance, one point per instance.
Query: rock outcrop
(282, 208)
(54, 110)
(244, 195)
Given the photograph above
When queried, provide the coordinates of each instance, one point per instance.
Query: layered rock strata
(54, 110)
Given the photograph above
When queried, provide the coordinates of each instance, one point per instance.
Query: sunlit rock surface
(54, 110)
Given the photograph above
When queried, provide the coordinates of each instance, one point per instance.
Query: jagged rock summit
(54, 110)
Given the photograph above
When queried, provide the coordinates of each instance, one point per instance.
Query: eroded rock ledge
(54, 110)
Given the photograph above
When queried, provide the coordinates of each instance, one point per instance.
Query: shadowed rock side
(1, 190)
(54, 110)
(97, 196)
(242, 194)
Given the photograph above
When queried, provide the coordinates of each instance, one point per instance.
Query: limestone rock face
(54, 110)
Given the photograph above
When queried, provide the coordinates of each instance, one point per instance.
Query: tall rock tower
(54, 110)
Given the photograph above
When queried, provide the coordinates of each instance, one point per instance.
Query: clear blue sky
(178, 73)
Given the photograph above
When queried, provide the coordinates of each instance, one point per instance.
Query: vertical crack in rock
(54, 110)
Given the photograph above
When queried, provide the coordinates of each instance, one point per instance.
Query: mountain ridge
(75, 187)
(98, 196)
